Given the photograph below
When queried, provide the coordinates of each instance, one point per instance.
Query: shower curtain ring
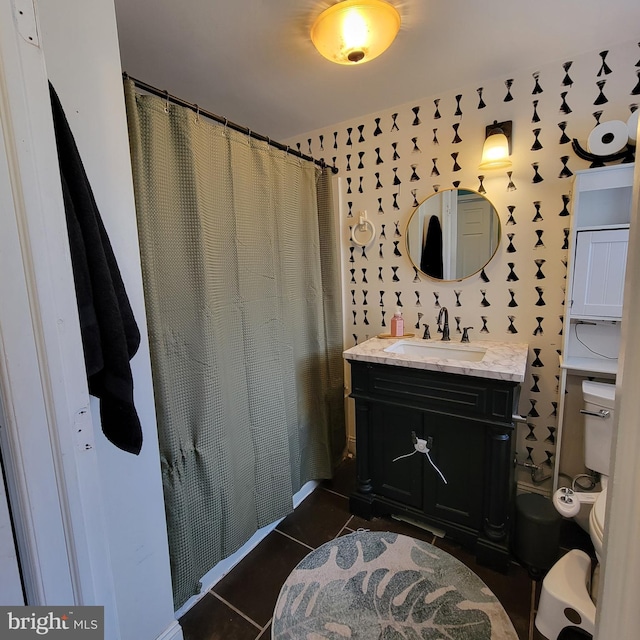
(197, 113)
(166, 105)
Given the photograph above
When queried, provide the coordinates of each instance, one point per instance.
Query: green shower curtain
(241, 278)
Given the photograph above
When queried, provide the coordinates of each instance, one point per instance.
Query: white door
(475, 234)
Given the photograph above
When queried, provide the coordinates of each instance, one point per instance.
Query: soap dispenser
(397, 324)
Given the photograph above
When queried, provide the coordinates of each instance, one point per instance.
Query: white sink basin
(439, 350)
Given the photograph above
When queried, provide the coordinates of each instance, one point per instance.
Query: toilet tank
(599, 398)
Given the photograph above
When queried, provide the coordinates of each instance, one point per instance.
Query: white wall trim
(523, 486)
(40, 347)
(619, 614)
(172, 632)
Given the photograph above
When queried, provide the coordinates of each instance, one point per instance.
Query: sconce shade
(495, 152)
(355, 31)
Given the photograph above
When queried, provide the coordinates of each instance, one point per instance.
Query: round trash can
(537, 539)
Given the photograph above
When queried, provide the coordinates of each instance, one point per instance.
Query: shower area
(241, 284)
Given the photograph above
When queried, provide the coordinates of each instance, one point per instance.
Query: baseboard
(528, 487)
(172, 632)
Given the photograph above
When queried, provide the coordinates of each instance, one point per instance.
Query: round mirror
(453, 234)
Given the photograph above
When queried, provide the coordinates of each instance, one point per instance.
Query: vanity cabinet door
(391, 429)
(458, 450)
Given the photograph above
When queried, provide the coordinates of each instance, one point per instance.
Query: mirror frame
(439, 193)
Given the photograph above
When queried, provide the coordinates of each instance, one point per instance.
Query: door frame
(51, 465)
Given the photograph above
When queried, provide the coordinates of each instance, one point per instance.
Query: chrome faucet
(445, 326)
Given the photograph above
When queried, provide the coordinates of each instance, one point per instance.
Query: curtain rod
(227, 123)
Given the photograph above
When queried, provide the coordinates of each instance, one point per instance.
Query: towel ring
(364, 232)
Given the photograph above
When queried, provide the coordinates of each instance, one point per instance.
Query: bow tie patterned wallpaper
(390, 161)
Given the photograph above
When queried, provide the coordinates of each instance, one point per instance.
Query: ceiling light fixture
(497, 146)
(355, 31)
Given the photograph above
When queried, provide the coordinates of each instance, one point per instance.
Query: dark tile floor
(239, 607)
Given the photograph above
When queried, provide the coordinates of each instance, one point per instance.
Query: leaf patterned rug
(384, 586)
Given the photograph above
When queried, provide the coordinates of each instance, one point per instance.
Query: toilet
(566, 596)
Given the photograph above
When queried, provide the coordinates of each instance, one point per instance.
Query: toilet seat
(597, 522)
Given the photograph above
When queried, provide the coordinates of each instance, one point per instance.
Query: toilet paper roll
(608, 137)
(632, 126)
(566, 503)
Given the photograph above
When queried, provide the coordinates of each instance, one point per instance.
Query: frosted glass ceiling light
(355, 31)
(496, 149)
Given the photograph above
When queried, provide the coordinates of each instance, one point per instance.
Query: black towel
(110, 335)
(431, 258)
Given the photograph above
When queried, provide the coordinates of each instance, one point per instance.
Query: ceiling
(252, 60)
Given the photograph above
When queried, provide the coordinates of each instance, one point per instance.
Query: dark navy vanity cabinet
(467, 423)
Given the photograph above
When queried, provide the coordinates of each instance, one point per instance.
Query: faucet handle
(465, 334)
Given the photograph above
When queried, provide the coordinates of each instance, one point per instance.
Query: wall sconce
(355, 31)
(497, 146)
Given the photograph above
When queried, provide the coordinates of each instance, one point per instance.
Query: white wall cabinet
(598, 240)
(598, 278)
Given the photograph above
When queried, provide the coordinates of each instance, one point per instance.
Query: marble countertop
(501, 361)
